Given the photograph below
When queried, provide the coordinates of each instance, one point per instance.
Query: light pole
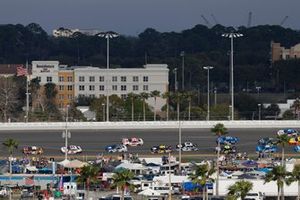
(231, 36)
(215, 93)
(103, 111)
(108, 35)
(182, 54)
(180, 145)
(258, 90)
(66, 134)
(175, 80)
(259, 111)
(208, 68)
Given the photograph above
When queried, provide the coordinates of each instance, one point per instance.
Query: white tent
(72, 163)
(149, 192)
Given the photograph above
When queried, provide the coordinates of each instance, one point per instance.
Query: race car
(33, 150)
(187, 146)
(132, 141)
(161, 149)
(71, 149)
(266, 149)
(227, 140)
(294, 140)
(228, 149)
(297, 148)
(289, 132)
(116, 148)
(267, 141)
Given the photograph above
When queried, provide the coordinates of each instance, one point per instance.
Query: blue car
(266, 149)
(227, 140)
(116, 148)
(297, 149)
(288, 131)
(267, 141)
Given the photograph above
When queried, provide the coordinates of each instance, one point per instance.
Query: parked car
(267, 141)
(116, 148)
(294, 140)
(71, 149)
(187, 146)
(289, 131)
(161, 149)
(33, 150)
(266, 149)
(132, 141)
(227, 140)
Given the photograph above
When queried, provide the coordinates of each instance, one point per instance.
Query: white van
(254, 196)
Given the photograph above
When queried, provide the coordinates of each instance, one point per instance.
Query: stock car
(267, 141)
(116, 148)
(288, 131)
(132, 141)
(294, 140)
(297, 148)
(227, 140)
(266, 149)
(33, 150)
(71, 149)
(187, 146)
(228, 149)
(161, 149)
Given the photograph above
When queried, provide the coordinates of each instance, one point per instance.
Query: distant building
(64, 32)
(281, 53)
(7, 70)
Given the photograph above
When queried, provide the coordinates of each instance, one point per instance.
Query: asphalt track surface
(93, 142)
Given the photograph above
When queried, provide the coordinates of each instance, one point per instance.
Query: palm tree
(177, 96)
(295, 176)
(10, 144)
(283, 140)
(296, 106)
(166, 96)
(281, 176)
(132, 97)
(240, 189)
(219, 130)
(121, 179)
(144, 96)
(201, 176)
(155, 94)
(88, 175)
(189, 96)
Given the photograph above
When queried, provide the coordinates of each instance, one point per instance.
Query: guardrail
(146, 125)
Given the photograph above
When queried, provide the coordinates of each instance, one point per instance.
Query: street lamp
(258, 90)
(182, 55)
(259, 111)
(231, 36)
(208, 68)
(108, 35)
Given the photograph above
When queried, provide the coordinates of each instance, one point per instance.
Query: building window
(145, 79)
(114, 79)
(70, 96)
(123, 87)
(49, 79)
(61, 87)
(92, 96)
(61, 79)
(70, 87)
(92, 78)
(145, 87)
(81, 78)
(123, 96)
(70, 79)
(135, 87)
(61, 96)
(92, 87)
(101, 95)
(135, 79)
(101, 87)
(123, 78)
(114, 87)
(39, 78)
(101, 78)
(81, 87)
(81, 96)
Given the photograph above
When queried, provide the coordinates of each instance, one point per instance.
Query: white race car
(116, 148)
(132, 141)
(72, 149)
(187, 146)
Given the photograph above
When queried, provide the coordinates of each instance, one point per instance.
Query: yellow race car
(294, 140)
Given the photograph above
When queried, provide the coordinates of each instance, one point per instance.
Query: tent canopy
(72, 163)
(149, 192)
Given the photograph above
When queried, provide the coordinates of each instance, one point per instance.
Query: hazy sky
(131, 17)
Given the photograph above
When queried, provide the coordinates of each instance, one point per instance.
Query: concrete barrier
(147, 125)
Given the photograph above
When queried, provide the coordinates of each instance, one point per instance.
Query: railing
(148, 125)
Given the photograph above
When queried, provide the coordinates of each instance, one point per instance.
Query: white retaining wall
(148, 125)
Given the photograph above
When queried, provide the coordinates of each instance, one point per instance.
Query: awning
(31, 168)
(149, 192)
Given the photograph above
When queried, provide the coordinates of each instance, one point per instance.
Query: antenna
(206, 21)
(249, 19)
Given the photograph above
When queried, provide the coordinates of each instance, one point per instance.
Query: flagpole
(27, 92)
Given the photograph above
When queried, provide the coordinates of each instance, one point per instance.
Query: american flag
(29, 180)
(21, 71)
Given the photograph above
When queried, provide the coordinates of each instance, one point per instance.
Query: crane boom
(249, 19)
(284, 20)
(206, 21)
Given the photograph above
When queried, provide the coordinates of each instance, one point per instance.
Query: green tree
(121, 179)
(189, 95)
(155, 94)
(288, 115)
(240, 189)
(219, 112)
(281, 176)
(88, 175)
(177, 98)
(144, 96)
(283, 140)
(166, 96)
(246, 105)
(296, 107)
(219, 130)
(295, 176)
(272, 110)
(10, 144)
(132, 97)
(50, 93)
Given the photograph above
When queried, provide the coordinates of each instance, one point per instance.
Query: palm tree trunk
(144, 110)
(154, 114)
(282, 157)
(217, 179)
(278, 192)
(203, 192)
(122, 194)
(168, 109)
(282, 192)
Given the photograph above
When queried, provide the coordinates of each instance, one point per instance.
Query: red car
(132, 141)
(33, 150)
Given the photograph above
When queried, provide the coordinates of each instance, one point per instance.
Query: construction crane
(214, 18)
(206, 21)
(249, 19)
(284, 20)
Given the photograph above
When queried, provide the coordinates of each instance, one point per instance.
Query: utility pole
(182, 54)
(27, 92)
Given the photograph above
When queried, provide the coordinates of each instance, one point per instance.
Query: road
(93, 142)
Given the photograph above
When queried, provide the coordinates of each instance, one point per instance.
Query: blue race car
(266, 149)
(267, 141)
(227, 140)
(288, 131)
(297, 149)
(116, 148)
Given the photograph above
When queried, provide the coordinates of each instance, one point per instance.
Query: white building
(45, 71)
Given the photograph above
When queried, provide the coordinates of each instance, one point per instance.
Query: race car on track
(33, 150)
(266, 149)
(297, 148)
(132, 141)
(267, 141)
(294, 140)
(227, 140)
(187, 146)
(116, 148)
(161, 149)
(289, 132)
(71, 149)
(227, 149)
